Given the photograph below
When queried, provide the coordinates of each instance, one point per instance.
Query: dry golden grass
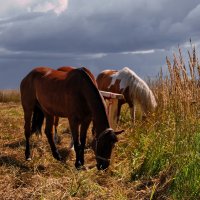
(180, 88)
(46, 178)
(9, 96)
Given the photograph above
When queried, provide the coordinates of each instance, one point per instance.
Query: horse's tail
(37, 120)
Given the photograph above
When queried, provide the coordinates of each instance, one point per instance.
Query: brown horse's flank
(75, 96)
(38, 115)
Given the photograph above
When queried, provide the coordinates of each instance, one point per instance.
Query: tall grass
(166, 157)
(9, 96)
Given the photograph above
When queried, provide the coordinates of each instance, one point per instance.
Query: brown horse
(128, 83)
(38, 115)
(72, 95)
(67, 69)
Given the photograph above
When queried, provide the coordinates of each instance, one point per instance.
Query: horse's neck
(97, 108)
(96, 105)
(101, 122)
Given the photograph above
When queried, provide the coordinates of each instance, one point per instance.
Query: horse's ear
(119, 132)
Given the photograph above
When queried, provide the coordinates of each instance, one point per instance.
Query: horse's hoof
(58, 157)
(78, 165)
(57, 140)
(28, 159)
(84, 168)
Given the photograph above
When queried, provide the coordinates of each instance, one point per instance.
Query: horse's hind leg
(49, 134)
(119, 110)
(37, 120)
(27, 132)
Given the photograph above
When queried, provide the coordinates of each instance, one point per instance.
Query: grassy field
(154, 159)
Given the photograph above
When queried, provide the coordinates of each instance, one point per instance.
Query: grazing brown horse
(56, 120)
(38, 115)
(72, 95)
(128, 83)
(67, 69)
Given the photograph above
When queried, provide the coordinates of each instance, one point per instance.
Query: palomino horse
(72, 95)
(126, 82)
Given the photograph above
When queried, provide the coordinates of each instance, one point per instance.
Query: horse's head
(104, 145)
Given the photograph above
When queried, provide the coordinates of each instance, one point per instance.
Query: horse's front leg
(83, 133)
(50, 136)
(74, 126)
(118, 110)
(57, 139)
(132, 111)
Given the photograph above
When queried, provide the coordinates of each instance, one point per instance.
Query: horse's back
(41, 84)
(58, 92)
(66, 68)
(70, 68)
(104, 79)
(39, 73)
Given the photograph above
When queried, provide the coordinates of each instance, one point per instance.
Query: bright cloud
(58, 6)
(62, 6)
(16, 7)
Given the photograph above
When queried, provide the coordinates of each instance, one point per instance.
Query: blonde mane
(138, 89)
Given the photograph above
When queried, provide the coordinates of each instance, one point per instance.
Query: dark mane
(86, 75)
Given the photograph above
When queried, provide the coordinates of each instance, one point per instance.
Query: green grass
(167, 156)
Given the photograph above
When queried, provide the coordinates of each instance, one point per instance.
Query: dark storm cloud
(97, 34)
(113, 26)
(19, 18)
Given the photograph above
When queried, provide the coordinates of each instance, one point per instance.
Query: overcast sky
(99, 34)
